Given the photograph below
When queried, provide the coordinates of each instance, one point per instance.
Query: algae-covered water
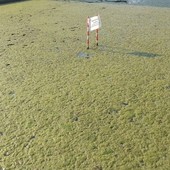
(63, 107)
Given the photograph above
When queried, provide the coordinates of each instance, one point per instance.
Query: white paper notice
(94, 23)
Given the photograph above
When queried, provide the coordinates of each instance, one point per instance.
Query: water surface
(156, 3)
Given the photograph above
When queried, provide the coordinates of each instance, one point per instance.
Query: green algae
(110, 111)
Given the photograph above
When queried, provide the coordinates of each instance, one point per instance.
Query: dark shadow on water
(5, 2)
(127, 52)
(144, 54)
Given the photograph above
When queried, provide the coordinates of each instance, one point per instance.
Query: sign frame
(93, 23)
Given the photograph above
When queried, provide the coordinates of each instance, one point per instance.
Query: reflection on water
(134, 1)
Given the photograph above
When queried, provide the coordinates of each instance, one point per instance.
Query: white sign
(94, 23)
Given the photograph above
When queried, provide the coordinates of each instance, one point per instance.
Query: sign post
(93, 23)
(97, 36)
(88, 31)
